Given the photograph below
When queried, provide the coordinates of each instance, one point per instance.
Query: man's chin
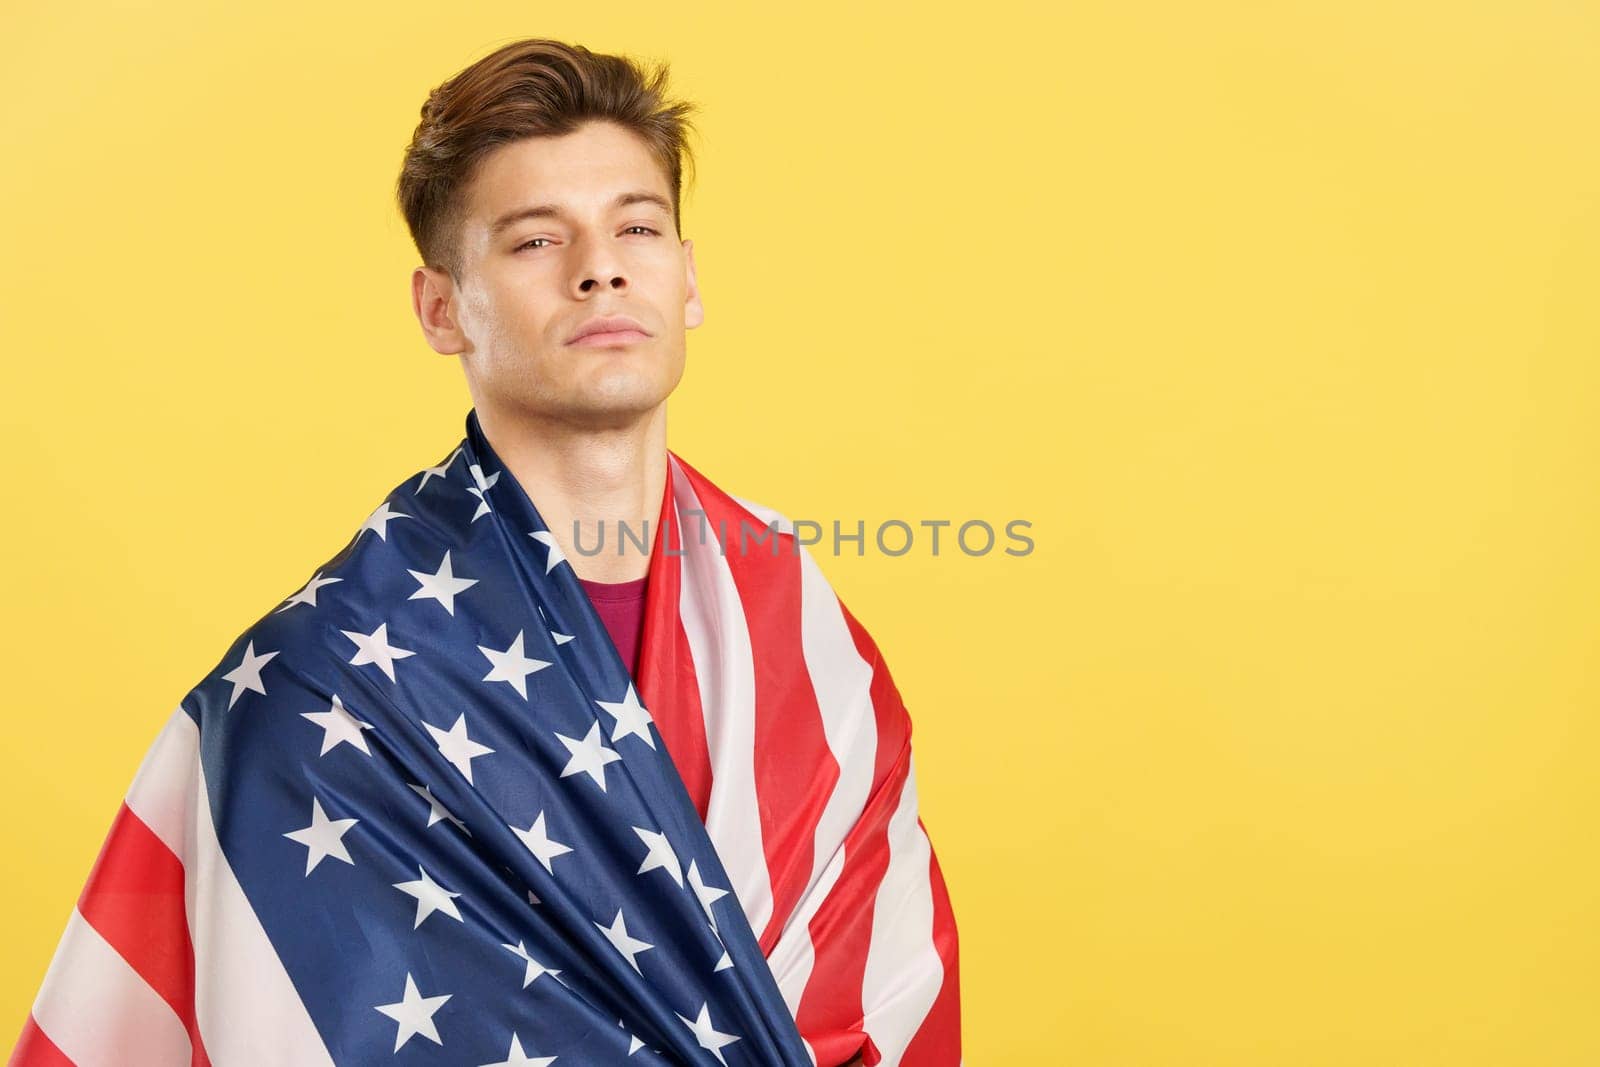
(621, 391)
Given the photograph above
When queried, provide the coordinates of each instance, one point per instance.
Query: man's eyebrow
(552, 211)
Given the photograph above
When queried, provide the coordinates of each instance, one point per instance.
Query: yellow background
(1277, 321)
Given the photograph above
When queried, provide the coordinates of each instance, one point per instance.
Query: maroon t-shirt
(621, 607)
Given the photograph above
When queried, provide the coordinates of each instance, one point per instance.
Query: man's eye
(533, 240)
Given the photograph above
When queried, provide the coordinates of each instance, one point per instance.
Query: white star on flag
(338, 725)
(554, 555)
(378, 521)
(437, 811)
(535, 969)
(634, 1044)
(511, 666)
(632, 718)
(617, 934)
(540, 844)
(442, 585)
(706, 1034)
(431, 897)
(441, 471)
(483, 486)
(414, 1013)
(589, 755)
(308, 592)
(456, 746)
(517, 1058)
(375, 648)
(247, 675)
(660, 854)
(705, 894)
(323, 838)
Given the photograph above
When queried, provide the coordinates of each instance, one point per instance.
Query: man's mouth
(607, 338)
(604, 330)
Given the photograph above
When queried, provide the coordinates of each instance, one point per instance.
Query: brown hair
(530, 88)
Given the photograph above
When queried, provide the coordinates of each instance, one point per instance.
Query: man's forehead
(558, 177)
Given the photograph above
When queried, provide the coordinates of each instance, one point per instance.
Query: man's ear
(694, 313)
(433, 299)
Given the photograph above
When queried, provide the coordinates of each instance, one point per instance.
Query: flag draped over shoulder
(420, 813)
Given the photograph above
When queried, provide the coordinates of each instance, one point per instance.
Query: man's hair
(530, 88)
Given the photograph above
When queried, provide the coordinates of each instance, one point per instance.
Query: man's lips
(609, 337)
(609, 330)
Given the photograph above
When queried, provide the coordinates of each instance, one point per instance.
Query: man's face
(600, 242)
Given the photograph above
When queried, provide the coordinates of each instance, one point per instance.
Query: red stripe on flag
(134, 899)
(667, 683)
(830, 1011)
(35, 1049)
(795, 770)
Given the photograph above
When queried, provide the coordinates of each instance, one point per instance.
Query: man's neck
(598, 479)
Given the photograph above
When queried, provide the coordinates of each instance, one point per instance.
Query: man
(472, 795)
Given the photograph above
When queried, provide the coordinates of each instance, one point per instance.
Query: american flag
(421, 813)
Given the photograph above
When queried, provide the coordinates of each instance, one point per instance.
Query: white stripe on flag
(162, 793)
(248, 1009)
(714, 621)
(98, 1011)
(903, 972)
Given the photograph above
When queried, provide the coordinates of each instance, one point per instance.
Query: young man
(474, 796)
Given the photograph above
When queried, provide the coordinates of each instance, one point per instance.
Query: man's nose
(600, 268)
